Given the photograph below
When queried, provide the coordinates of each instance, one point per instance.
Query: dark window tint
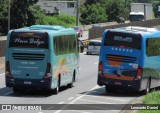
(153, 46)
(136, 17)
(29, 40)
(95, 43)
(65, 44)
(123, 39)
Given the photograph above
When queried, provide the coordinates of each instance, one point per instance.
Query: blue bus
(41, 56)
(130, 59)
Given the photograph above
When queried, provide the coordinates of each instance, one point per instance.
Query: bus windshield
(29, 40)
(125, 40)
(136, 17)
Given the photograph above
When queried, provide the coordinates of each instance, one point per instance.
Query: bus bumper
(133, 85)
(25, 83)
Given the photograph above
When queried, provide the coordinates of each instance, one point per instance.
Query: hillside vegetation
(25, 13)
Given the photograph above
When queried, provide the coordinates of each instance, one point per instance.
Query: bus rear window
(123, 40)
(29, 40)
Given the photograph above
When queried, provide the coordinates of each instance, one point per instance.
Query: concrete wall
(97, 32)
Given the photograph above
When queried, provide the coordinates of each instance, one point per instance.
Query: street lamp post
(77, 14)
(9, 7)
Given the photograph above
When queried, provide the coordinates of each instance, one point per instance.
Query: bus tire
(110, 90)
(56, 90)
(15, 89)
(87, 53)
(146, 91)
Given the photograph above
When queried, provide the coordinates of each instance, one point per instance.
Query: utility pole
(9, 14)
(77, 14)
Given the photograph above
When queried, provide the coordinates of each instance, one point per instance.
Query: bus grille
(27, 56)
(120, 58)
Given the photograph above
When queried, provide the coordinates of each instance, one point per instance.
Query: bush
(63, 20)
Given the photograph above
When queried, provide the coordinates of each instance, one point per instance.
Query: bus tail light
(48, 71)
(139, 73)
(7, 71)
(100, 67)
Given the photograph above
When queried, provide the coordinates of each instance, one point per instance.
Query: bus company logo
(6, 107)
(119, 72)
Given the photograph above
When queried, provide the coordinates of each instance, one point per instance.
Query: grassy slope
(151, 98)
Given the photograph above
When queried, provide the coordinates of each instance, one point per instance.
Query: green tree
(3, 15)
(155, 7)
(92, 13)
(116, 8)
(112, 9)
(21, 13)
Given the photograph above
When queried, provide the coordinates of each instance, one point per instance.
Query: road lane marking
(71, 98)
(61, 102)
(106, 98)
(72, 102)
(80, 68)
(96, 101)
(79, 97)
(2, 74)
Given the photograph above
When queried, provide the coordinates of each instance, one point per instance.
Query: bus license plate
(118, 83)
(27, 82)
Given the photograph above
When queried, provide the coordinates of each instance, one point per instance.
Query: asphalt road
(85, 91)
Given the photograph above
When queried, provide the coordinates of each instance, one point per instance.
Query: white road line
(71, 98)
(80, 68)
(79, 97)
(72, 102)
(8, 93)
(106, 98)
(2, 74)
(96, 101)
(61, 102)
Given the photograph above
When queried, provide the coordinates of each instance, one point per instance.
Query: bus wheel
(56, 90)
(146, 91)
(15, 89)
(110, 90)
